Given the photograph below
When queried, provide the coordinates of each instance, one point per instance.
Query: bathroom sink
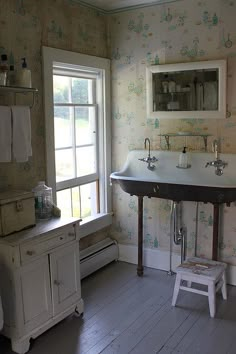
(196, 183)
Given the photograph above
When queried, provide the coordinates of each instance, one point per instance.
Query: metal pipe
(177, 233)
(183, 244)
(170, 272)
(149, 146)
(196, 230)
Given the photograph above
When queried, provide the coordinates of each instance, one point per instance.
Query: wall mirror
(187, 90)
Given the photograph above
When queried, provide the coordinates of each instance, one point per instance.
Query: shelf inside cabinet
(167, 137)
(19, 90)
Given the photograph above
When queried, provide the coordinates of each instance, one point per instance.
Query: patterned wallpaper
(182, 31)
(25, 26)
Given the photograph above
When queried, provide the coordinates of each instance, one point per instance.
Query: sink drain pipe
(196, 230)
(177, 234)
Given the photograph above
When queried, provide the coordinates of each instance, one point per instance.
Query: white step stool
(201, 271)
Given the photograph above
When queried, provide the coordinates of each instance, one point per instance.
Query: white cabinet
(187, 90)
(35, 293)
(65, 289)
(40, 279)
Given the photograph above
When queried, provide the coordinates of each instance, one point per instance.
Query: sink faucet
(147, 140)
(215, 148)
(217, 163)
(150, 160)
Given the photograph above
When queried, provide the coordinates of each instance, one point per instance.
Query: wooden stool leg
(224, 288)
(212, 298)
(176, 289)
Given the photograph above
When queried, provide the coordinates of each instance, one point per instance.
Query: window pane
(63, 126)
(79, 201)
(64, 202)
(82, 90)
(85, 158)
(64, 165)
(89, 201)
(85, 125)
(61, 89)
(76, 202)
(84, 200)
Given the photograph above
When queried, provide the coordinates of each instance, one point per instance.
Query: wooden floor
(129, 314)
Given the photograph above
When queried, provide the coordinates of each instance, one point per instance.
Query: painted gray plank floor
(129, 314)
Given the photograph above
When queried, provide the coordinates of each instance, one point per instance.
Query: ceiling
(112, 6)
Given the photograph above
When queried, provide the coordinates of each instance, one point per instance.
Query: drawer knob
(156, 189)
(57, 282)
(30, 253)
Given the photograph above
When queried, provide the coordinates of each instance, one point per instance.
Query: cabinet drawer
(44, 244)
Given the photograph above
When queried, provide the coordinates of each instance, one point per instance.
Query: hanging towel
(210, 96)
(21, 136)
(199, 96)
(5, 134)
(192, 97)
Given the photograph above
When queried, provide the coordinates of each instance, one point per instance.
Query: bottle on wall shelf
(11, 76)
(165, 84)
(43, 201)
(24, 75)
(171, 86)
(3, 70)
(183, 159)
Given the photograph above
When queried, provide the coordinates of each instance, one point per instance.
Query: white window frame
(52, 56)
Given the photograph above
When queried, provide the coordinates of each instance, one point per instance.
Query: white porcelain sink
(168, 181)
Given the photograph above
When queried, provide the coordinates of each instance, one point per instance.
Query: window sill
(94, 224)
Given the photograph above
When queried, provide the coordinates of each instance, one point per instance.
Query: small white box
(17, 211)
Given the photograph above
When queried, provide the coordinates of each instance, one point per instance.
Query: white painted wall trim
(158, 259)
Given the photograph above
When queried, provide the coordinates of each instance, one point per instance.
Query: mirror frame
(221, 65)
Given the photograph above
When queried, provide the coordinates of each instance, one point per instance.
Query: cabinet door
(36, 294)
(65, 277)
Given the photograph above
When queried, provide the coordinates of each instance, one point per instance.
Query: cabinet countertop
(42, 227)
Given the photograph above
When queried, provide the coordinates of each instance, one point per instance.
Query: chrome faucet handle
(154, 159)
(209, 163)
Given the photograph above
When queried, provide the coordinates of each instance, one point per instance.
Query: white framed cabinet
(39, 279)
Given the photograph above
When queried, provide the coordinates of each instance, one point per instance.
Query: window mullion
(72, 114)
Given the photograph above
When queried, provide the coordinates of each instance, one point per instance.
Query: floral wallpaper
(25, 26)
(181, 31)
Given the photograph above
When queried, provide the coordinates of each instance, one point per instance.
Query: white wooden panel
(65, 277)
(35, 288)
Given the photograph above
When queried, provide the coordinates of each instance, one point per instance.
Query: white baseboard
(161, 260)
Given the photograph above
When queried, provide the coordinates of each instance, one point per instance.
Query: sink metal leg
(215, 240)
(140, 236)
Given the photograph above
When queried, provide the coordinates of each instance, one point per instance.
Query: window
(78, 135)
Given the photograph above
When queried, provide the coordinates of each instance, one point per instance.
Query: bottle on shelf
(43, 201)
(24, 75)
(171, 86)
(3, 70)
(165, 84)
(11, 76)
(183, 159)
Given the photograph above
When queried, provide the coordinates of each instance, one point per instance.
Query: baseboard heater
(97, 256)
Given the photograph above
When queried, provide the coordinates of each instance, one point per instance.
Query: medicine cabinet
(187, 90)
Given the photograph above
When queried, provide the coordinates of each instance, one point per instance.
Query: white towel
(199, 96)
(210, 96)
(192, 97)
(5, 134)
(21, 137)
